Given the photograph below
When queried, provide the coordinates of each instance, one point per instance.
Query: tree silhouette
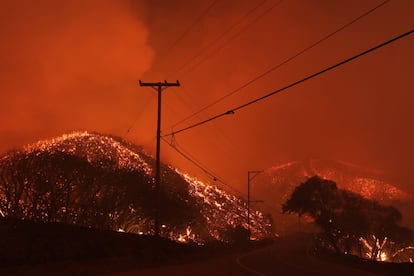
(61, 187)
(349, 221)
(97, 181)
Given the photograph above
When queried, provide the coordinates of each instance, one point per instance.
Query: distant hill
(277, 183)
(104, 182)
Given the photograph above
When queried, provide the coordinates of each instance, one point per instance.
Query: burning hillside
(100, 181)
(282, 179)
(278, 182)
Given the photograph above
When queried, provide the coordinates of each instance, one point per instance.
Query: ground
(286, 255)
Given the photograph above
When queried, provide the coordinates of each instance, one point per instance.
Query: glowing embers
(383, 257)
(385, 250)
(217, 210)
(223, 210)
(376, 189)
(405, 254)
(95, 148)
(187, 236)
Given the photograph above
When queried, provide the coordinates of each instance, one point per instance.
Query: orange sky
(74, 65)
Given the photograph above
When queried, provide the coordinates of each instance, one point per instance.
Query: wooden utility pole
(159, 87)
(254, 173)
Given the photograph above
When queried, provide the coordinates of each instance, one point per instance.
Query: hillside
(99, 181)
(277, 183)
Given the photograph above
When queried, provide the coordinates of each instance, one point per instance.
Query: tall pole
(254, 173)
(248, 202)
(159, 87)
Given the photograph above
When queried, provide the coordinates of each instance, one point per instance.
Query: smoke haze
(71, 65)
(68, 65)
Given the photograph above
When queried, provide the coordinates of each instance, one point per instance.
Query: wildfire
(93, 146)
(375, 248)
(383, 257)
(220, 210)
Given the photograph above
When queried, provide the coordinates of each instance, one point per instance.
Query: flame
(380, 254)
(96, 144)
(219, 208)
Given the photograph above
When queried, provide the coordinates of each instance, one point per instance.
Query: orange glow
(218, 207)
(69, 66)
(74, 65)
(221, 208)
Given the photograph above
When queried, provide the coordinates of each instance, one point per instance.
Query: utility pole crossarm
(162, 84)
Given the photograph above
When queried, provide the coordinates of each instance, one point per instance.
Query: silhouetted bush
(351, 224)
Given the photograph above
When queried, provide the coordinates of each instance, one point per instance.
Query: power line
(138, 115)
(205, 49)
(282, 63)
(187, 31)
(205, 58)
(232, 111)
(172, 46)
(243, 18)
(208, 46)
(202, 15)
(192, 160)
(217, 38)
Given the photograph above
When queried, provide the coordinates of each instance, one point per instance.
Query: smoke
(74, 65)
(359, 113)
(68, 65)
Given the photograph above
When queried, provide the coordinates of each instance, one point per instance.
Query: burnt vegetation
(103, 182)
(67, 197)
(56, 186)
(350, 223)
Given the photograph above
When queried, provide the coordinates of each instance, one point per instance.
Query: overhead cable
(192, 160)
(223, 34)
(217, 49)
(281, 63)
(233, 110)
